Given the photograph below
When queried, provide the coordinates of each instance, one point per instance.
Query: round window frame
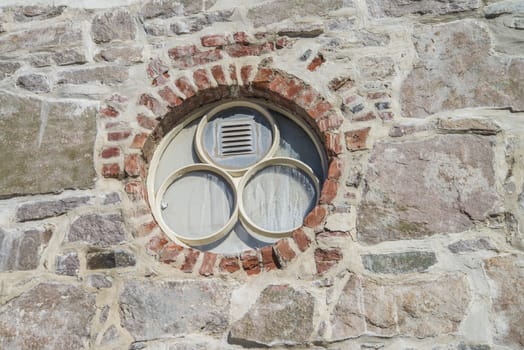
(201, 112)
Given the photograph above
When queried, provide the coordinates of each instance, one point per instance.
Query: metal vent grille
(236, 137)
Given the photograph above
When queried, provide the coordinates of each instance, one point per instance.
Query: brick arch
(174, 98)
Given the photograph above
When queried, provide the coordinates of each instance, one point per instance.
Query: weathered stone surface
(419, 188)
(111, 198)
(99, 281)
(174, 308)
(521, 198)
(46, 146)
(444, 79)
(168, 8)
(479, 126)
(403, 129)
(419, 309)
(110, 259)
(46, 209)
(105, 75)
(113, 25)
(67, 264)
(470, 245)
(20, 250)
(277, 11)
(34, 82)
(123, 55)
(281, 315)
(397, 8)
(503, 7)
(507, 273)
(41, 38)
(373, 68)
(98, 230)
(507, 38)
(178, 344)
(110, 335)
(8, 68)
(38, 318)
(61, 57)
(396, 263)
(31, 13)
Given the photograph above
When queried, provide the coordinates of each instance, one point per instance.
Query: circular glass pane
(197, 205)
(237, 137)
(278, 197)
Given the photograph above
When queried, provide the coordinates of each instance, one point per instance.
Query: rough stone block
(397, 263)
(443, 79)
(46, 209)
(174, 308)
(20, 250)
(98, 230)
(470, 245)
(34, 83)
(387, 309)
(504, 7)
(168, 8)
(479, 126)
(281, 315)
(113, 25)
(507, 274)
(37, 318)
(398, 8)
(38, 39)
(415, 189)
(35, 12)
(99, 281)
(46, 147)
(109, 75)
(8, 68)
(110, 259)
(126, 55)
(67, 264)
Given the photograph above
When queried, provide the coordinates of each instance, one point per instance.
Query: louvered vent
(236, 137)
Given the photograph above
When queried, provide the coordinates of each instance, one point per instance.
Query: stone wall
(416, 242)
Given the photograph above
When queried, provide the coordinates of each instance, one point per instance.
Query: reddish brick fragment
(250, 262)
(233, 73)
(269, 259)
(185, 87)
(206, 57)
(283, 42)
(325, 259)
(301, 240)
(110, 152)
(245, 73)
(157, 243)
(339, 83)
(377, 95)
(277, 84)
(319, 109)
(146, 122)
(316, 217)
(208, 264)
(170, 97)
(331, 122)
(170, 252)
(335, 169)
(118, 135)
(241, 38)
(284, 251)
(333, 145)
(364, 117)
(156, 67)
(191, 256)
(229, 264)
(218, 74)
(356, 139)
(386, 116)
(151, 103)
(316, 62)
(111, 170)
(160, 80)
(183, 51)
(139, 140)
(306, 97)
(116, 125)
(109, 111)
(131, 166)
(201, 79)
(214, 40)
(135, 190)
(238, 50)
(146, 229)
(264, 75)
(329, 191)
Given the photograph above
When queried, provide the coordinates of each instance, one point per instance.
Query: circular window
(237, 176)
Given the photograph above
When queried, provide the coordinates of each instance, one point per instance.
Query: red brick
(170, 97)
(306, 97)
(135, 190)
(215, 40)
(208, 264)
(170, 252)
(278, 84)
(325, 259)
(157, 243)
(201, 79)
(190, 259)
(292, 89)
(331, 122)
(340, 82)
(156, 67)
(329, 191)
(116, 125)
(319, 109)
(185, 87)
(364, 117)
(315, 63)
(146, 229)
(110, 152)
(245, 73)
(326, 235)
(269, 259)
(152, 104)
(335, 169)
(238, 50)
(160, 80)
(139, 140)
(284, 250)
(241, 38)
(146, 122)
(118, 135)
(301, 240)
(356, 139)
(206, 57)
(218, 74)
(283, 42)
(250, 262)
(264, 75)
(316, 217)
(386, 116)
(183, 51)
(333, 145)
(111, 170)
(131, 167)
(109, 111)
(233, 73)
(229, 264)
